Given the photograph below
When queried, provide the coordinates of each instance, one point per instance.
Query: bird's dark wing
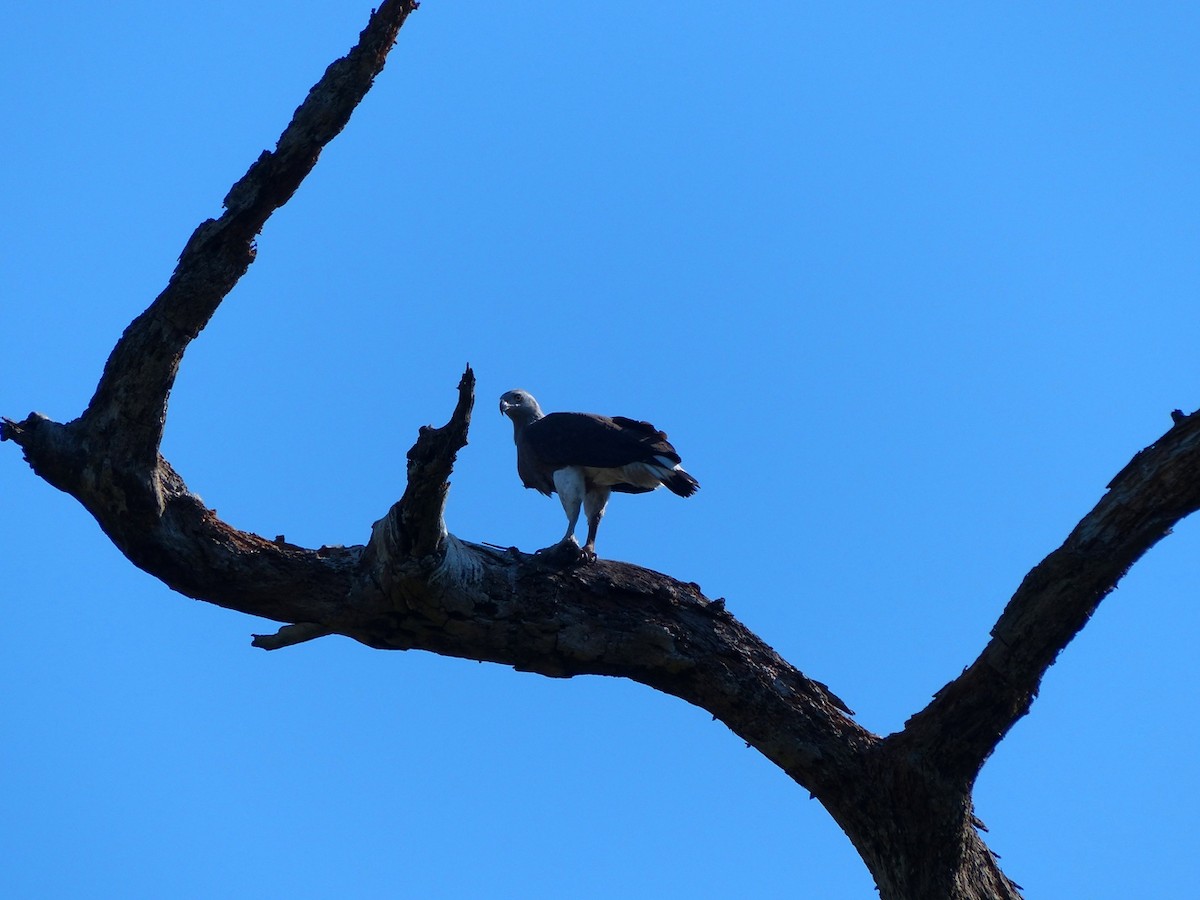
(584, 439)
(652, 439)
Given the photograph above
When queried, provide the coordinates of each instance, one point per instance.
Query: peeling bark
(904, 801)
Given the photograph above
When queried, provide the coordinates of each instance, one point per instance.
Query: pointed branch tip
(290, 635)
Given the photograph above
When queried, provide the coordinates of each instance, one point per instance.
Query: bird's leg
(569, 537)
(570, 487)
(594, 502)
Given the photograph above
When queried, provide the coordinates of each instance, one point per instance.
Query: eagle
(584, 457)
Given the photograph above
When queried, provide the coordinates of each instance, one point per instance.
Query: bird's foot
(566, 552)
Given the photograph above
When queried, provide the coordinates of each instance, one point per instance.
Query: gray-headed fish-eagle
(585, 457)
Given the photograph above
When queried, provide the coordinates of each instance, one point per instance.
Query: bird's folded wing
(584, 439)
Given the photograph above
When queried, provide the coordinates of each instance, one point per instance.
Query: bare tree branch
(290, 635)
(108, 458)
(970, 715)
(420, 525)
(905, 801)
(128, 409)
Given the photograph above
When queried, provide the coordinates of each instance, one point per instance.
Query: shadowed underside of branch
(905, 800)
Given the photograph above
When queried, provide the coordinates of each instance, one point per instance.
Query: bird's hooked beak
(504, 406)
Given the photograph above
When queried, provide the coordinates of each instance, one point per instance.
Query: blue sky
(906, 286)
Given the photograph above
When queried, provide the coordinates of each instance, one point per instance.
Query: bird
(584, 457)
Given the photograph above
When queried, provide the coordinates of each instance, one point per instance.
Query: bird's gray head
(520, 407)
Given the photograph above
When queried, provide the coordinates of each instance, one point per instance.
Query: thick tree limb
(609, 618)
(186, 545)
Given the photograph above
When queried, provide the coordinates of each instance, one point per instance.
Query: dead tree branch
(128, 410)
(905, 801)
(1145, 500)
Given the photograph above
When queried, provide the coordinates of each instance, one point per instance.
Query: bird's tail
(679, 482)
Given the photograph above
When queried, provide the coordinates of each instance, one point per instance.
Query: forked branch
(904, 801)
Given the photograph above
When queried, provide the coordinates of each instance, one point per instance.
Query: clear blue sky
(906, 287)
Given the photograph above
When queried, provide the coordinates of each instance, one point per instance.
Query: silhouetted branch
(108, 458)
(128, 409)
(970, 715)
(290, 635)
(421, 524)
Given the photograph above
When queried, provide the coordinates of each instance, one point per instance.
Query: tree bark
(904, 800)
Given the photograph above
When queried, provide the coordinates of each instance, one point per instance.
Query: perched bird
(584, 457)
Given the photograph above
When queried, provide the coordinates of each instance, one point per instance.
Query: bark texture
(904, 800)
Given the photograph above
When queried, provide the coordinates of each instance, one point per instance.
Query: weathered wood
(1144, 501)
(904, 801)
